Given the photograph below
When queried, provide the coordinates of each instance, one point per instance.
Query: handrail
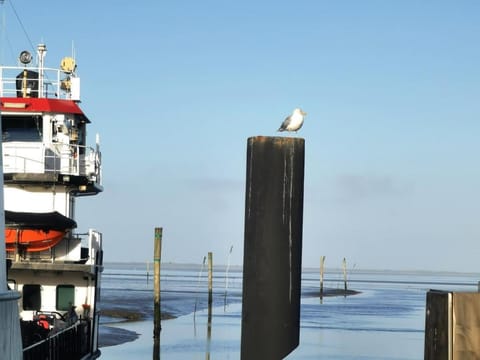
(56, 158)
(70, 343)
(90, 252)
(52, 82)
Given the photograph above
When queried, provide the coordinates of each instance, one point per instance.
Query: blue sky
(175, 88)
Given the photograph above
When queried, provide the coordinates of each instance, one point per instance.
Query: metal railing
(90, 251)
(52, 82)
(72, 343)
(37, 158)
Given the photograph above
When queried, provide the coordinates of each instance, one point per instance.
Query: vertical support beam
(157, 253)
(272, 247)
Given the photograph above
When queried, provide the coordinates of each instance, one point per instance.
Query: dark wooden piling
(344, 267)
(157, 251)
(437, 333)
(451, 325)
(272, 247)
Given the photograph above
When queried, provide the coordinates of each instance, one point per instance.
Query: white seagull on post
(293, 122)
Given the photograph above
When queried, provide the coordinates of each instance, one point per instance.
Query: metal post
(272, 247)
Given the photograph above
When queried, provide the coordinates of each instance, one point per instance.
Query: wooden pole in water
(345, 274)
(322, 271)
(148, 270)
(210, 279)
(210, 300)
(272, 247)
(157, 252)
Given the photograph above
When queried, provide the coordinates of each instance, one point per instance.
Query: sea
(384, 320)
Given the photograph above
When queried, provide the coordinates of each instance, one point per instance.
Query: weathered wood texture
(272, 247)
(452, 326)
(157, 251)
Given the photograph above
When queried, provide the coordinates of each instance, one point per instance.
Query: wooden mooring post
(157, 252)
(272, 247)
(344, 267)
(322, 273)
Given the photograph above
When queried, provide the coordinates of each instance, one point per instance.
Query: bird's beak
(304, 113)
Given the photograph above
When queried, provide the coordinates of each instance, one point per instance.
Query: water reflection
(156, 349)
(209, 331)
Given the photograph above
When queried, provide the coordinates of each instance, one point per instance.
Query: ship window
(22, 128)
(65, 297)
(32, 299)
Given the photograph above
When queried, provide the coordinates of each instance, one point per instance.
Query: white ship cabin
(44, 129)
(47, 164)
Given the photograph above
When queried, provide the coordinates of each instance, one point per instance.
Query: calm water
(385, 321)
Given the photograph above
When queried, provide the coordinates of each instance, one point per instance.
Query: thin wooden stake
(226, 279)
(210, 300)
(148, 271)
(345, 274)
(210, 279)
(322, 272)
(156, 282)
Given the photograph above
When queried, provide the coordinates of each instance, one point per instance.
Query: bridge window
(32, 299)
(65, 297)
(22, 128)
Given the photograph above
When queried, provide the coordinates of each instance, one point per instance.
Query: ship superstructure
(47, 165)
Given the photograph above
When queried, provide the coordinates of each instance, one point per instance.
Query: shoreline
(126, 315)
(112, 333)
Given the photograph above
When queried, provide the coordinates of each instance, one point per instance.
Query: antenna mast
(41, 52)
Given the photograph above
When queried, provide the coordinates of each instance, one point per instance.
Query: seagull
(293, 122)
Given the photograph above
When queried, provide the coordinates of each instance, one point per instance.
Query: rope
(22, 26)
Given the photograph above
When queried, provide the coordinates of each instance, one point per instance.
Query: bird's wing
(285, 123)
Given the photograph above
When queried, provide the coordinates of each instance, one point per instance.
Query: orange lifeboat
(32, 239)
(35, 231)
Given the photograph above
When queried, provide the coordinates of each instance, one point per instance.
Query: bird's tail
(281, 129)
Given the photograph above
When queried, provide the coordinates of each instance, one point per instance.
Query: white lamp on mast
(41, 52)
